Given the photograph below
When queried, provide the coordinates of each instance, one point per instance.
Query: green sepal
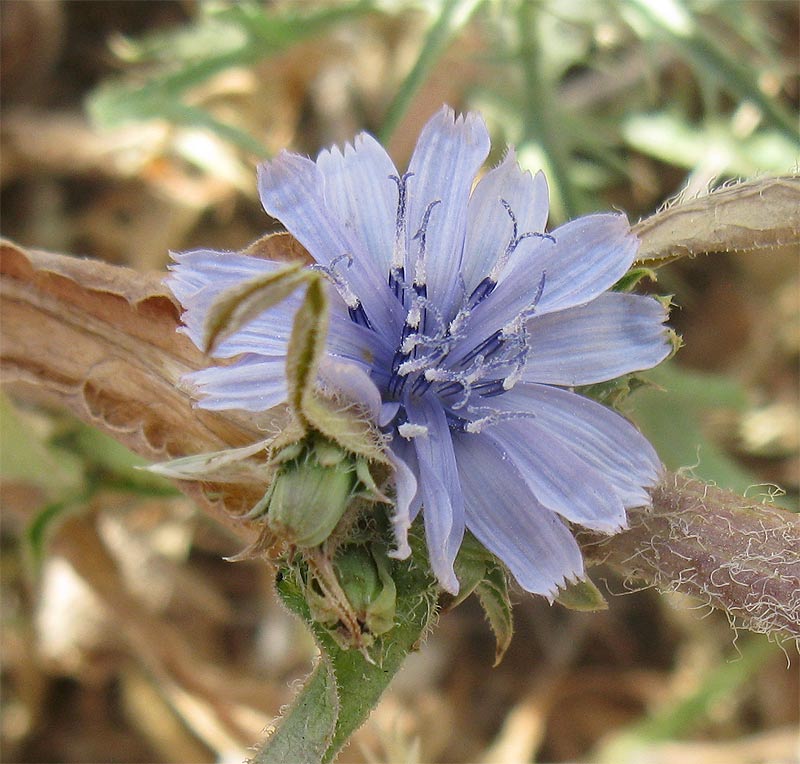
(479, 572)
(231, 465)
(370, 596)
(306, 500)
(470, 567)
(582, 595)
(240, 304)
(492, 593)
(613, 392)
(338, 421)
(632, 278)
(305, 349)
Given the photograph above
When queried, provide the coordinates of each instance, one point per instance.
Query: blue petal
(489, 226)
(292, 190)
(352, 382)
(403, 450)
(613, 335)
(253, 383)
(199, 269)
(561, 481)
(442, 499)
(589, 256)
(604, 440)
(448, 155)
(405, 486)
(198, 278)
(360, 193)
(505, 517)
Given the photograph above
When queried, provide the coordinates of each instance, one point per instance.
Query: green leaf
(583, 596)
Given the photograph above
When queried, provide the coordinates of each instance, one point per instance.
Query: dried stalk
(102, 341)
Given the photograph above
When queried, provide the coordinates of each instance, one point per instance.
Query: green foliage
(670, 411)
(68, 463)
(224, 36)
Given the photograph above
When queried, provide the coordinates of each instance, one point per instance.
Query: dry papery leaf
(101, 340)
(743, 217)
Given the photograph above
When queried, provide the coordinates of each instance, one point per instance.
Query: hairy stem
(736, 554)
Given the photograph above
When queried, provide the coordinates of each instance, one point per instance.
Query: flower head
(462, 326)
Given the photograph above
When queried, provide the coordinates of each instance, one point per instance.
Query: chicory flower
(461, 325)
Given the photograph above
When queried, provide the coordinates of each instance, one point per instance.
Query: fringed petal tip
(569, 579)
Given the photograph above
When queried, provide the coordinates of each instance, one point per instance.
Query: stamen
(457, 423)
(490, 389)
(489, 346)
(478, 425)
(399, 250)
(514, 326)
(483, 290)
(359, 316)
(397, 278)
(350, 298)
(420, 276)
(514, 242)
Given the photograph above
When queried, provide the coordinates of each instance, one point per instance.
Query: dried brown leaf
(102, 341)
(744, 217)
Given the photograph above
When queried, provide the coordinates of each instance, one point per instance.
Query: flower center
(451, 358)
(430, 353)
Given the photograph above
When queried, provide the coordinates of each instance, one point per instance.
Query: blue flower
(461, 325)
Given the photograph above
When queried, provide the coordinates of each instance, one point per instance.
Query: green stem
(540, 112)
(436, 41)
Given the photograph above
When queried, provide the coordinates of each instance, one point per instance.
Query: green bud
(365, 579)
(354, 595)
(310, 493)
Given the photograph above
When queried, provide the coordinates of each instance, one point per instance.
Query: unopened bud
(365, 579)
(310, 493)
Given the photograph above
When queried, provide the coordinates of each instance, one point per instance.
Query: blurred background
(132, 128)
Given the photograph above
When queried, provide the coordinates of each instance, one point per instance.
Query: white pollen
(512, 378)
(408, 430)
